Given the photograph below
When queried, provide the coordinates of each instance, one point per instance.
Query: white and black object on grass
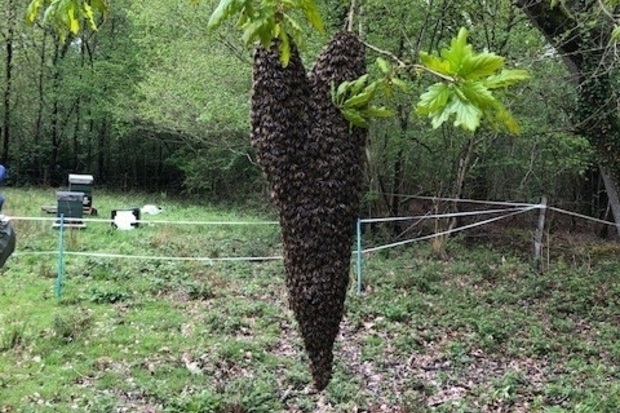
(7, 239)
(151, 209)
(126, 219)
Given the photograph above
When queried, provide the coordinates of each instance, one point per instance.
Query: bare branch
(405, 65)
(385, 53)
(351, 16)
(606, 11)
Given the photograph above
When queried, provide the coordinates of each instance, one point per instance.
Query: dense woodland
(154, 100)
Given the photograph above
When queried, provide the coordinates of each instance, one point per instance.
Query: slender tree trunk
(8, 43)
(612, 194)
(461, 175)
(54, 127)
(76, 137)
(397, 181)
(39, 170)
(101, 150)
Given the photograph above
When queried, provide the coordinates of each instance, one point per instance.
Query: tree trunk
(612, 194)
(8, 43)
(39, 170)
(584, 49)
(461, 175)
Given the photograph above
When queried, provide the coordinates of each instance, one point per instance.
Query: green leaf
(458, 53)
(256, 30)
(435, 63)
(481, 65)
(99, 5)
(342, 88)
(359, 100)
(476, 93)
(505, 78)
(312, 13)
(33, 10)
(447, 102)
(74, 22)
(554, 4)
(378, 112)
(509, 122)
(355, 117)
(224, 10)
(400, 84)
(467, 115)
(434, 99)
(359, 84)
(87, 10)
(615, 34)
(285, 50)
(383, 64)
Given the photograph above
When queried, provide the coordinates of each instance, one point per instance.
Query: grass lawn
(477, 331)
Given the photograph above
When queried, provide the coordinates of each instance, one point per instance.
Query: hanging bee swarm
(318, 256)
(280, 119)
(313, 161)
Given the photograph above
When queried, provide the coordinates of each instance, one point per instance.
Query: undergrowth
(473, 330)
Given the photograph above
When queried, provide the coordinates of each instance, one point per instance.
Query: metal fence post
(360, 256)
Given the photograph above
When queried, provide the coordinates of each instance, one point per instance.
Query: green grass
(477, 332)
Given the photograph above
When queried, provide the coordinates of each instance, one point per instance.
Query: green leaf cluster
(466, 90)
(265, 20)
(354, 98)
(67, 15)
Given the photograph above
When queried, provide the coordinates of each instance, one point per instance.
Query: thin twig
(606, 11)
(385, 53)
(351, 16)
(404, 65)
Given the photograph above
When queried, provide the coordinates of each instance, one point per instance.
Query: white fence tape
(575, 214)
(147, 257)
(518, 209)
(438, 216)
(439, 234)
(463, 200)
(145, 222)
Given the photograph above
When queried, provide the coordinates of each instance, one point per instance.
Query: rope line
(575, 214)
(448, 215)
(147, 257)
(463, 228)
(513, 212)
(464, 200)
(143, 222)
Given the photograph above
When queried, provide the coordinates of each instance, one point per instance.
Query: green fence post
(59, 266)
(359, 256)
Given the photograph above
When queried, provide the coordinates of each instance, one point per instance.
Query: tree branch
(385, 53)
(606, 11)
(351, 16)
(405, 65)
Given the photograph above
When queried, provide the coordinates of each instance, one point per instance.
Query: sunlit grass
(471, 329)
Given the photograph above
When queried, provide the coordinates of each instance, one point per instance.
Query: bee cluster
(313, 160)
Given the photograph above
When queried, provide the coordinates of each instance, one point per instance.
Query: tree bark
(612, 194)
(8, 43)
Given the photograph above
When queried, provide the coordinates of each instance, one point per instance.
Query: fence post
(538, 235)
(59, 266)
(359, 257)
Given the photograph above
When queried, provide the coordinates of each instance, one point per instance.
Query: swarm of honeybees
(313, 160)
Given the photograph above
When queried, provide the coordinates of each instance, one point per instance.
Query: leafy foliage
(465, 92)
(268, 20)
(354, 98)
(67, 15)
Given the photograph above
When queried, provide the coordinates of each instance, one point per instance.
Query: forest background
(155, 101)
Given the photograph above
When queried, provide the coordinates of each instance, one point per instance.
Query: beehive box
(70, 208)
(84, 184)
